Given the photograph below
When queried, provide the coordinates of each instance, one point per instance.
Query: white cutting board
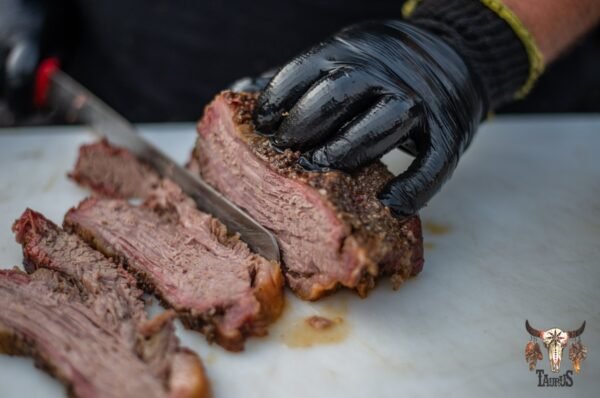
(514, 235)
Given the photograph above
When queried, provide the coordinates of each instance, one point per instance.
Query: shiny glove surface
(371, 88)
(252, 84)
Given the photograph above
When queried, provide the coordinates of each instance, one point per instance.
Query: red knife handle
(43, 77)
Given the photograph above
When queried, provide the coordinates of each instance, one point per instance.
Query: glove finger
(411, 190)
(330, 103)
(369, 136)
(409, 146)
(288, 85)
(252, 84)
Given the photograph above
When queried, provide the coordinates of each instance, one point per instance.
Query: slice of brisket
(211, 279)
(113, 172)
(331, 228)
(69, 340)
(82, 317)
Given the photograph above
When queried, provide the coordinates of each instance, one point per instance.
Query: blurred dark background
(163, 60)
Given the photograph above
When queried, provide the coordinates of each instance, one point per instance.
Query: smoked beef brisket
(82, 318)
(331, 228)
(210, 278)
(113, 172)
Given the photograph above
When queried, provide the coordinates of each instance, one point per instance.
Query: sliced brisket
(113, 172)
(81, 316)
(331, 228)
(211, 279)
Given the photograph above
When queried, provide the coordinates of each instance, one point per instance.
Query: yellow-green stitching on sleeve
(408, 7)
(536, 59)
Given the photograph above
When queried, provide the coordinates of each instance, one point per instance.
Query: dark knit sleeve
(487, 43)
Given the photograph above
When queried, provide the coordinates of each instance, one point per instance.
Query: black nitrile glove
(21, 24)
(252, 84)
(379, 85)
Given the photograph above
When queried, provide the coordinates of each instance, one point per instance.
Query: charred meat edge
(186, 374)
(269, 293)
(376, 242)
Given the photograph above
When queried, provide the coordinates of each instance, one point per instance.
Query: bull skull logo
(555, 340)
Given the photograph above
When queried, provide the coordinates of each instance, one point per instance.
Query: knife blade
(79, 105)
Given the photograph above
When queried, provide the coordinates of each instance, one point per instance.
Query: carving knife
(58, 91)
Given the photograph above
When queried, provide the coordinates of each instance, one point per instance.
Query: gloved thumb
(253, 84)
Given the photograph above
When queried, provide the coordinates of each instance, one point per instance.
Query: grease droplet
(210, 358)
(305, 333)
(428, 245)
(435, 228)
(326, 325)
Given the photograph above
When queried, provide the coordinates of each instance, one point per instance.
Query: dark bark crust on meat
(378, 242)
(62, 298)
(14, 344)
(122, 174)
(268, 293)
(67, 270)
(98, 168)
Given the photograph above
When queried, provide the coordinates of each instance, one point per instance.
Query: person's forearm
(556, 24)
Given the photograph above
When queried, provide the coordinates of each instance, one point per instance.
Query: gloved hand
(376, 86)
(367, 90)
(21, 23)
